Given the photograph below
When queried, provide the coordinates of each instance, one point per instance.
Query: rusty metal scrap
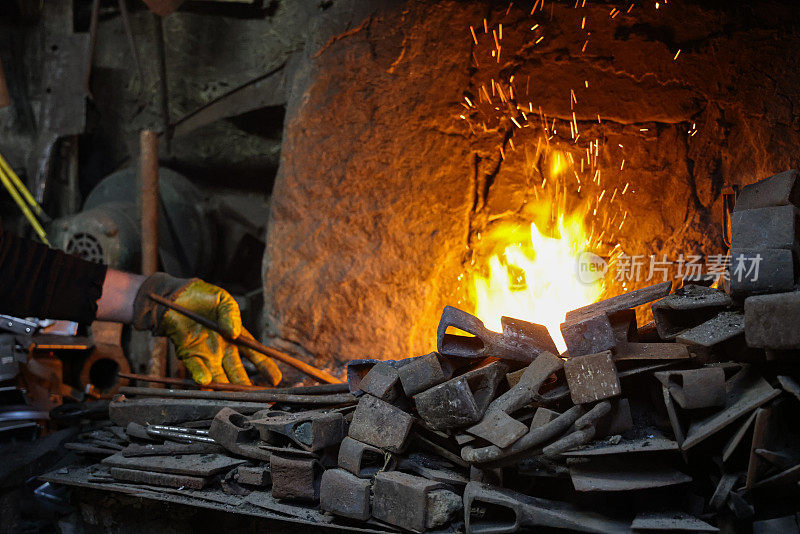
(497, 426)
(589, 336)
(381, 424)
(242, 396)
(620, 302)
(5, 96)
(778, 190)
(592, 377)
(773, 227)
(383, 382)
(520, 340)
(236, 433)
(462, 400)
(490, 510)
(310, 431)
(363, 460)
(423, 372)
(342, 493)
(695, 388)
(295, 478)
(687, 308)
(410, 502)
(158, 479)
(659, 431)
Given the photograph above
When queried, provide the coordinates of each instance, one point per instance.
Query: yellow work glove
(206, 354)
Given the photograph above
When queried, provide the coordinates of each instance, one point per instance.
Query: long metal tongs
(252, 344)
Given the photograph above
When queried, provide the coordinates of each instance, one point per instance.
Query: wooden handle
(300, 365)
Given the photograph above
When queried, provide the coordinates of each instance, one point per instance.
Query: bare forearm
(119, 292)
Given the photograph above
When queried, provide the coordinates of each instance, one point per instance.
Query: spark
(677, 54)
(474, 38)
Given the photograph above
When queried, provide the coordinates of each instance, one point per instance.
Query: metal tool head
(458, 345)
(529, 339)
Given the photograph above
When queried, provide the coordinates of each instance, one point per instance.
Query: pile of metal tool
(683, 424)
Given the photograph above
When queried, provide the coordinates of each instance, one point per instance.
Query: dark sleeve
(37, 281)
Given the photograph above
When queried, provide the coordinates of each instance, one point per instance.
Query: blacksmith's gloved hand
(207, 355)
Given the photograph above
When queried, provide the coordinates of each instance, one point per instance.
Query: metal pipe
(5, 96)
(242, 396)
(252, 344)
(148, 183)
(163, 87)
(93, 21)
(148, 180)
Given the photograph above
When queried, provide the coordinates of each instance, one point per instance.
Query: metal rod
(93, 21)
(163, 86)
(252, 344)
(218, 386)
(148, 176)
(242, 396)
(126, 23)
(5, 96)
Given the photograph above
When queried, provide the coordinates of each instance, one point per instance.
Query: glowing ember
(536, 278)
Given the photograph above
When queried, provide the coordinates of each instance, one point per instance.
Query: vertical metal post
(148, 180)
(163, 87)
(148, 184)
(5, 97)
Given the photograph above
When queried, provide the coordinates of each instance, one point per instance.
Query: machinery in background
(44, 363)
(108, 230)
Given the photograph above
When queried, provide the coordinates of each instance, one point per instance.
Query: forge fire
(466, 267)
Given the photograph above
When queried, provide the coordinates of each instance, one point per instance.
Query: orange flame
(536, 280)
(532, 271)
